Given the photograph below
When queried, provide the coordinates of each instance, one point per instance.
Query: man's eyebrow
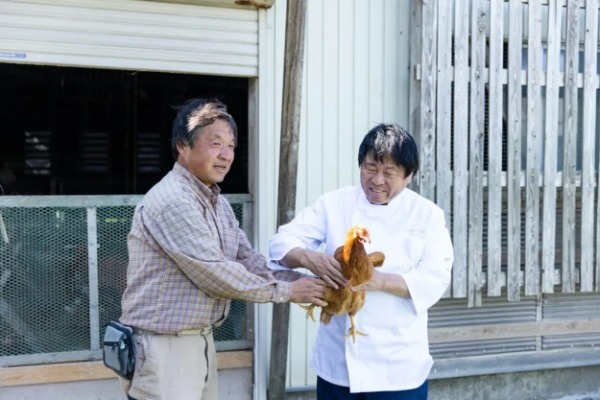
(216, 135)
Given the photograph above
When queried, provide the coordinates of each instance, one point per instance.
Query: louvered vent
(148, 154)
(94, 152)
(571, 306)
(37, 152)
(455, 313)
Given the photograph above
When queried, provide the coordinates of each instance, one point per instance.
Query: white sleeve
(429, 280)
(307, 230)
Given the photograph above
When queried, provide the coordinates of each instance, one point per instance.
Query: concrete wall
(575, 384)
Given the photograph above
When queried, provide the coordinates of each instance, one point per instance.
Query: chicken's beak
(363, 235)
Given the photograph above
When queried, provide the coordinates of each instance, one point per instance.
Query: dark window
(97, 131)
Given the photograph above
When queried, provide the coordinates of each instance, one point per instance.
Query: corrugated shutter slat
(137, 35)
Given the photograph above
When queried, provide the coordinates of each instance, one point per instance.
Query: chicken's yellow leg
(352, 331)
(309, 310)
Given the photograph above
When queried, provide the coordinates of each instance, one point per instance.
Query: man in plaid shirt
(188, 258)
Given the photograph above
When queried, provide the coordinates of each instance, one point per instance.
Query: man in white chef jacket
(393, 361)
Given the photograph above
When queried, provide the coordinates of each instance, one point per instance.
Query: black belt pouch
(118, 349)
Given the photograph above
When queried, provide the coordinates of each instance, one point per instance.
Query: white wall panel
(330, 134)
(316, 109)
(345, 95)
(375, 20)
(360, 84)
(130, 34)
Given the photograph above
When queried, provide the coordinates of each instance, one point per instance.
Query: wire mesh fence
(63, 264)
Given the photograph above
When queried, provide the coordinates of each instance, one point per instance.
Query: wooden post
(288, 166)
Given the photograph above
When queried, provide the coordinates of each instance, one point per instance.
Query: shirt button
(281, 299)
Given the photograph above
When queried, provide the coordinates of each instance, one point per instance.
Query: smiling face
(212, 154)
(382, 181)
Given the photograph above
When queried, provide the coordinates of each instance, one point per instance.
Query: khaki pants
(170, 367)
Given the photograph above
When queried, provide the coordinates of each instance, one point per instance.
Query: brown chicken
(357, 268)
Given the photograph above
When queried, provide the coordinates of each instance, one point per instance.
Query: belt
(207, 330)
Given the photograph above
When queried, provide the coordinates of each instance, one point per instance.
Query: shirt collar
(211, 193)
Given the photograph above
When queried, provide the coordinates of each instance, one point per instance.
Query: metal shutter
(130, 34)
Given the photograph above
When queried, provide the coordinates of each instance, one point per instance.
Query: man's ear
(409, 178)
(181, 146)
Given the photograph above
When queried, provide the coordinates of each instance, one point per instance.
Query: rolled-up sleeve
(197, 252)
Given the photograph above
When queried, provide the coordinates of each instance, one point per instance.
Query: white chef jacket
(411, 231)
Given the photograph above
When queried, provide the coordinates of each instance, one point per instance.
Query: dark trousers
(329, 391)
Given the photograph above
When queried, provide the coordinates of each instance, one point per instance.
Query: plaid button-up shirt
(188, 257)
